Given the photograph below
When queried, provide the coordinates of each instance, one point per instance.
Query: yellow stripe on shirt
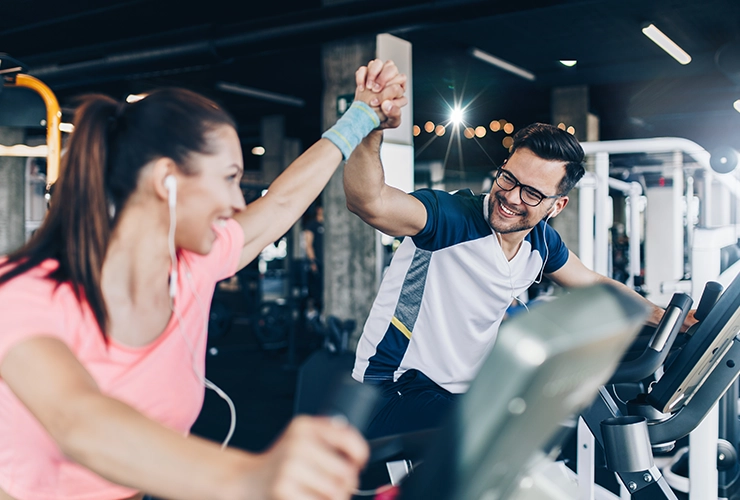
(397, 323)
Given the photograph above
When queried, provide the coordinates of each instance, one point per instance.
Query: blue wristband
(352, 127)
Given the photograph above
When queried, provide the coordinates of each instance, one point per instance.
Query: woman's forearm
(123, 446)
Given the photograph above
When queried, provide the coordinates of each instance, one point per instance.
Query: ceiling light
(66, 127)
(500, 63)
(456, 116)
(568, 62)
(258, 151)
(135, 97)
(665, 43)
(736, 105)
(265, 95)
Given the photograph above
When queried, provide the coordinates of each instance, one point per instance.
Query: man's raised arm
(386, 208)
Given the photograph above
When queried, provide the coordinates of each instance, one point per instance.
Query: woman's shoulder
(37, 280)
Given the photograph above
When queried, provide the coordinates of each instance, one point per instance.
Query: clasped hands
(382, 87)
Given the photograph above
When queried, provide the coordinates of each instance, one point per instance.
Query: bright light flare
(568, 62)
(456, 116)
(736, 105)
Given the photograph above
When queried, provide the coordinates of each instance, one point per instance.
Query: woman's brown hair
(110, 145)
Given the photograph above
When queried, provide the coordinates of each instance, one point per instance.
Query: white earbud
(170, 183)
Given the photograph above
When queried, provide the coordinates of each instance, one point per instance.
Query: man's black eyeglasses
(529, 195)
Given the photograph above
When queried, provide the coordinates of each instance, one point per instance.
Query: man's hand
(689, 321)
(382, 87)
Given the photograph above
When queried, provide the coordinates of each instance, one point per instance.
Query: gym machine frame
(691, 385)
(12, 72)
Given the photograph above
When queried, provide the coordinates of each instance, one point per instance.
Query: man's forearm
(364, 178)
(656, 312)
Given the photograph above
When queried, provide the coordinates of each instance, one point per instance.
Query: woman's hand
(382, 87)
(315, 458)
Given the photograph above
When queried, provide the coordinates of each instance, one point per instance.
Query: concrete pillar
(350, 250)
(570, 106)
(12, 194)
(272, 136)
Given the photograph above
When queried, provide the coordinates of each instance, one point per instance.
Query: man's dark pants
(412, 403)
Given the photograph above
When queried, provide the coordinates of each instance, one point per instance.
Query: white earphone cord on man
(538, 279)
(171, 186)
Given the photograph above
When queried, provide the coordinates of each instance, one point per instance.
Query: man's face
(507, 212)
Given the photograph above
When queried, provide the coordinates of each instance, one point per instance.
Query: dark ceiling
(636, 89)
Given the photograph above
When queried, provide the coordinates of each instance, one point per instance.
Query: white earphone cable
(173, 290)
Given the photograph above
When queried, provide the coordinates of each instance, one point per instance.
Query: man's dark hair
(551, 143)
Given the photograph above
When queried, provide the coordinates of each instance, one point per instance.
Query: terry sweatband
(352, 127)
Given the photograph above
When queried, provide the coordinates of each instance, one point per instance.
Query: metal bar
(586, 200)
(585, 462)
(23, 151)
(703, 475)
(635, 225)
(601, 230)
(634, 191)
(677, 245)
(53, 119)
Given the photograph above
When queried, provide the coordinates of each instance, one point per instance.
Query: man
(467, 257)
(313, 236)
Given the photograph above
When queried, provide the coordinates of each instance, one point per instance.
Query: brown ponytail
(110, 144)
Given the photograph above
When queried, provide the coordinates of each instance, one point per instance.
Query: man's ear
(558, 206)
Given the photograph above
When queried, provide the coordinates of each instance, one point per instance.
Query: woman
(102, 313)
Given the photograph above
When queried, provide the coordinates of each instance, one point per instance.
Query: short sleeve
(451, 219)
(558, 252)
(223, 259)
(31, 306)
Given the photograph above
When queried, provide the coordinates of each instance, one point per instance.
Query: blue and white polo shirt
(445, 293)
